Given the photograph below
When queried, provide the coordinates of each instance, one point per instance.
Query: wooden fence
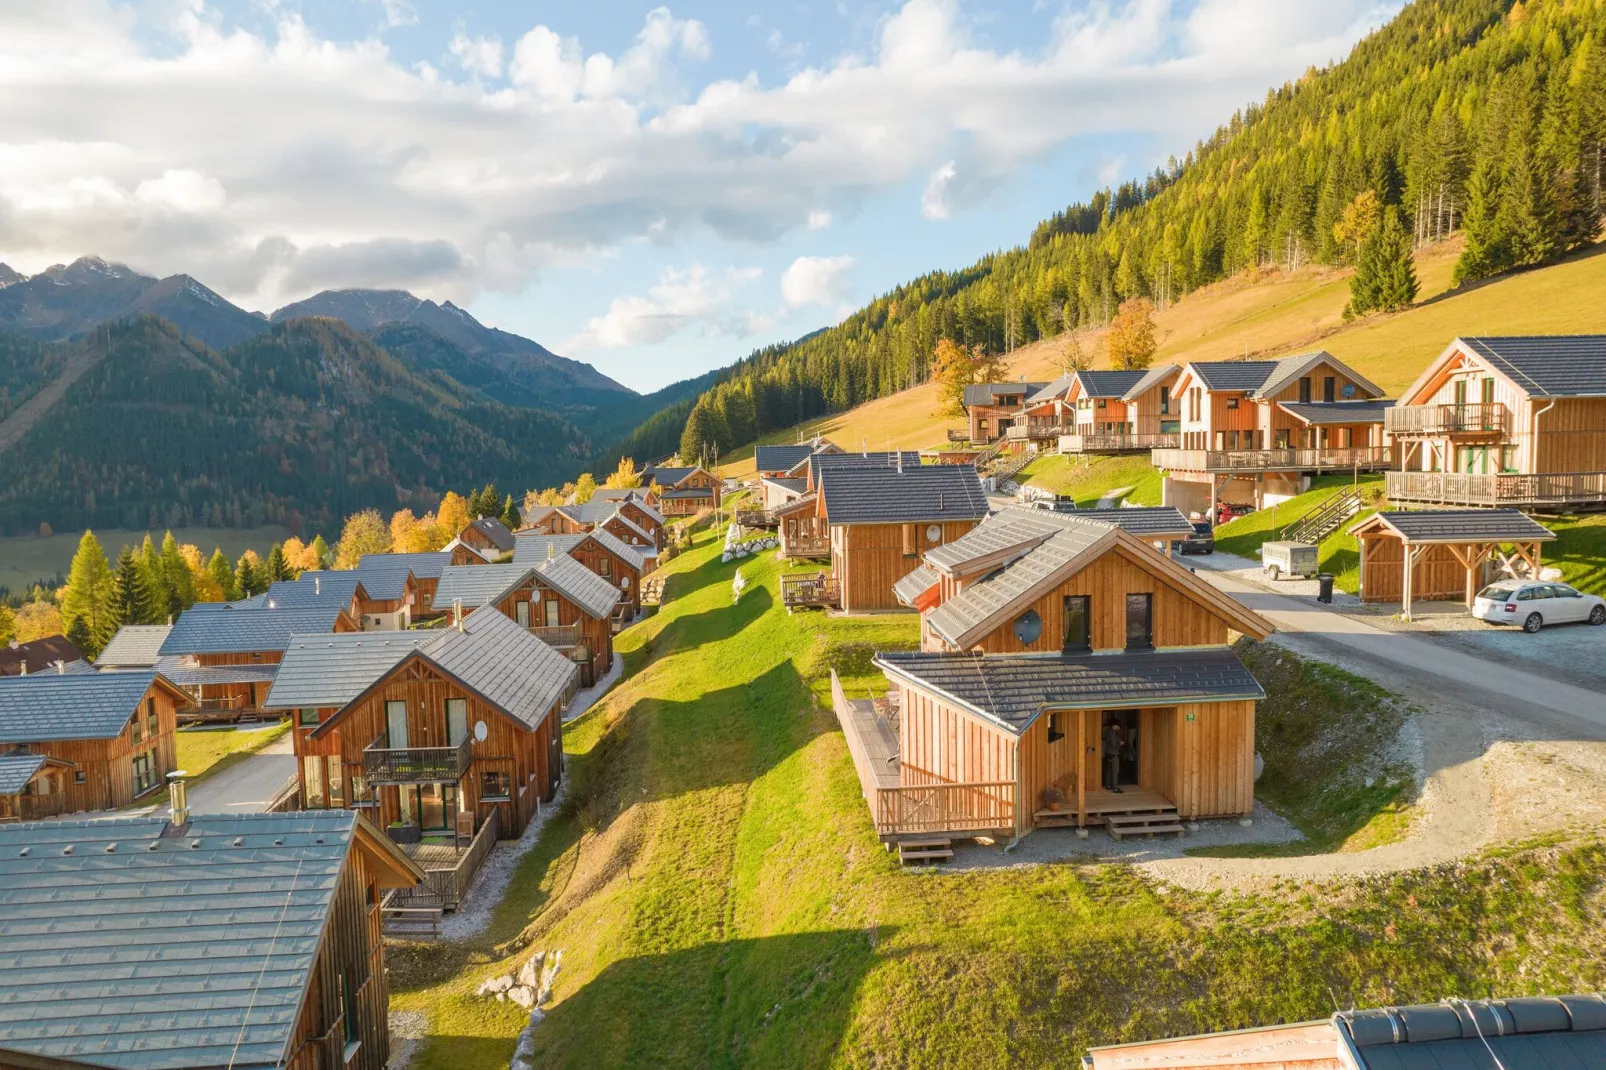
(1513, 489)
(444, 887)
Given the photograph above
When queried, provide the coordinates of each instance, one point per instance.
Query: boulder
(530, 972)
(524, 997)
(495, 985)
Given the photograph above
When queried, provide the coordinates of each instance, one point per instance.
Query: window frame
(1146, 600)
(1086, 644)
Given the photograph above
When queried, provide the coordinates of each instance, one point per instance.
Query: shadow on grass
(776, 1001)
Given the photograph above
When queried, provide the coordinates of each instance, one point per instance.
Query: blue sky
(657, 190)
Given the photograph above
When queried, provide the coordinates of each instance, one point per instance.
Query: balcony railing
(819, 589)
(1457, 488)
(415, 765)
(559, 636)
(1106, 442)
(619, 619)
(806, 546)
(1047, 430)
(1278, 460)
(1479, 418)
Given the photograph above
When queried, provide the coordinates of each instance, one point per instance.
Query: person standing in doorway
(1112, 754)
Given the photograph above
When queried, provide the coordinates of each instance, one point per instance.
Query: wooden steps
(1146, 822)
(924, 849)
(1054, 819)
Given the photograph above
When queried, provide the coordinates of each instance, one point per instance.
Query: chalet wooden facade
(1449, 554)
(489, 536)
(684, 491)
(601, 552)
(1517, 421)
(280, 921)
(420, 729)
(99, 740)
(991, 409)
(1070, 674)
(1253, 432)
(425, 569)
(225, 658)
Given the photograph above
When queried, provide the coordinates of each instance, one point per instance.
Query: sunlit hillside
(1275, 315)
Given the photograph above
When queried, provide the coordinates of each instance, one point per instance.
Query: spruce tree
(80, 636)
(131, 601)
(278, 568)
(510, 514)
(1396, 280)
(247, 579)
(179, 584)
(217, 566)
(320, 550)
(89, 586)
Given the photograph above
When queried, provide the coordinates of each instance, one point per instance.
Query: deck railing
(1458, 488)
(446, 886)
(619, 619)
(1274, 460)
(806, 546)
(955, 437)
(1046, 430)
(558, 636)
(1478, 417)
(415, 765)
(1109, 442)
(819, 589)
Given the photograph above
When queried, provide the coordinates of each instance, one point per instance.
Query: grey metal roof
(1246, 375)
(1559, 365)
(1146, 522)
(321, 587)
(1290, 368)
(1339, 412)
(495, 530)
(384, 583)
(477, 585)
(178, 669)
(1151, 379)
(917, 583)
(667, 477)
(619, 548)
(241, 631)
(1052, 390)
(596, 512)
(688, 492)
(425, 566)
(984, 393)
(528, 548)
(506, 664)
(630, 525)
(593, 594)
(1464, 525)
(918, 493)
(1013, 530)
(55, 706)
(135, 646)
(124, 947)
(1538, 1033)
(791, 485)
(820, 463)
(16, 769)
(33, 656)
(331, 670)
(780, 458)
(1109, 384)
(1013, 689)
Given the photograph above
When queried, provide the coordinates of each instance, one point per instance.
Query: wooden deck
(819, 590)
(1131, 812)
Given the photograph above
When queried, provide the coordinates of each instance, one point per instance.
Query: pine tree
(510, 514)
(1385, 275)
(131, 600)
(247, 577)
(278, 568)
(89, 586)
(1487, 250)
(81, 636)
(178, 584)
(217, 566)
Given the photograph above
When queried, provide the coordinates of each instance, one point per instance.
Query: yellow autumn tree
(625, 476)
(452, 514)
(1358, 221)
(1132, 339)
(364, 533)
(38, 620)
(953, 367)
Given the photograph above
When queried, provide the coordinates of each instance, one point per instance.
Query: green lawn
(721, 900)
(1087, 479)
(1579, 550)
(29, 559)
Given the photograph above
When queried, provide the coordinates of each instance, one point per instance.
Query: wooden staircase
(1325, 519)
(923, 849)
(1143, 821)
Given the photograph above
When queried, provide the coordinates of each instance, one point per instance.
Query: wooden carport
(1438, 553)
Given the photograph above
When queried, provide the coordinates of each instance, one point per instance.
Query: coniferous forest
(1485, 118)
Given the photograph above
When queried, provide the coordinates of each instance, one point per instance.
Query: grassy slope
(1276, 315)
(721, 900)
(30, 558)
(1089, 479)
(1337, 554)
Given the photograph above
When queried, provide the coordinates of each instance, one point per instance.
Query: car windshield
(1201, 529)
(1495, 593)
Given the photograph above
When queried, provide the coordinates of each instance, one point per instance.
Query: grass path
(721, 901)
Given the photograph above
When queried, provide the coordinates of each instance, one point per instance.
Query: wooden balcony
(619, 619)
(1482, 418)
(1037, 431)
(1105, 442)
(1367, 458)
(1552, 489)
(819, 589)
(806, 547)
(755, 518)
(415, 765)
(560, 636)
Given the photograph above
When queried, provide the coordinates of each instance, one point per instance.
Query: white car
(1534, 604)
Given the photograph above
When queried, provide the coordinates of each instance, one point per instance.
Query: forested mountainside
(1482, 117)
(300, 425)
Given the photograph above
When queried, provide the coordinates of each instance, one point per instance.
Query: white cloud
(819, 220)
(265, 162)
(816, 280)
(681, 300)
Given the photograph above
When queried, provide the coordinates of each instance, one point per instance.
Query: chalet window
(1329, 389)
(1056, 731)
(1077, 636)
(1488, 390)
(495, 786)
(307, 718)
(80, 777)
(1304, 389)
(151, 724)
(396, 724)
(138, 728)
(521, 612)
(362, 793)
(312, 782)
(551, 613)
(1139, 630)
(1165, 401)
(456, 721)
(1232, 403)
(604, 567)
(1508, 458)
(1104, 403)
(337, 782)
(348, 1011)
(144, 772)
(909, 544)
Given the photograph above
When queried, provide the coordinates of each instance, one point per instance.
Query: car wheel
(1533, 623)
(1598, 615)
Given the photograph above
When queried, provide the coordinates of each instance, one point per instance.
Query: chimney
(178, 797)
(900, 462)
(317, 585)
(551, 551)
(61, 666)
(457, 613)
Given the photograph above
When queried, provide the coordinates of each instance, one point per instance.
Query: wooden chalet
(1254, 431)
(489, 536)
(100, 739)
(786, 460)
(430, 733)
(600, 551)
(19, 659)
(1447, 554)
(684, 491)
(646, 495)
(224, 656)
(803, 532)
(993, 408)
(1045, 636)
(1534, 1032)
(557, 599)
(425, 569)
(880, 520)
(1119, 412)
(249, 941)
(552, 520)
(1517, 421)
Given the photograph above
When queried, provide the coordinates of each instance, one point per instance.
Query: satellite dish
(1028, 627)
(480, 731)
(934, 533)
(1349, 390)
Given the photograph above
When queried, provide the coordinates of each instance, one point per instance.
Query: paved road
(1483, 683)
(246, 787)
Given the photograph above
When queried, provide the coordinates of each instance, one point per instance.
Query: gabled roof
(819, 463)
(1245, 375)
(312, 589)
(243, 631)
(491, 655)
(1317, 413)
(1109, 384)
(528, 548)
(667, 477)
(185, 672)
(910, 589)
(126, 946)
(424, 566)
(780, 458)
(478, 585)
(796, 504)
(19, 767)
(49, 706)
(1026, 576)
(1151, 379)
(494, 530)
(619, 548)
(483, 585)
(1264, 378)
(1146, 522)
(788, 484)
(917, 493)
(37, 655)
(457, 543)
(596, 512)
(593, 594)
(986, 393)
(1013, 690)
(1290, 368)
(1458, 526)
(1013, 531)
(135, 646)
(1546, 365)
(629, 525)
(386, 584)
(1052, 390)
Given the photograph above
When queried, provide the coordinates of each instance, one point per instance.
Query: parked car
(1202, 541)
(1533, 604)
